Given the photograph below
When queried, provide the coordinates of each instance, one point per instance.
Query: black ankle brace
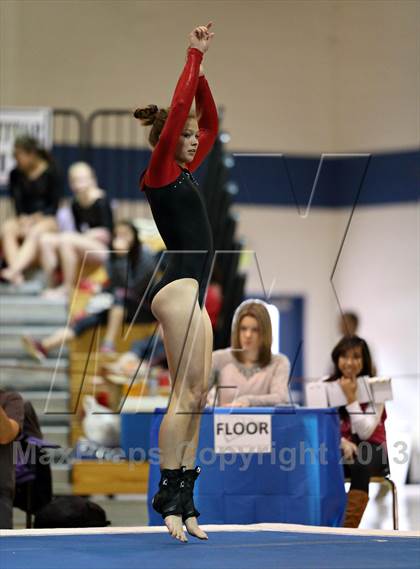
(188, 478)
(167, 501)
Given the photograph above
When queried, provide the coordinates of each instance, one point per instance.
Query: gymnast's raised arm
(162, 167)
(208, 122)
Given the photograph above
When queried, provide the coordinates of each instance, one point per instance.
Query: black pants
(371, 460)
(6, 509)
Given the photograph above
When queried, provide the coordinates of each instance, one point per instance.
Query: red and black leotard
(174, 197)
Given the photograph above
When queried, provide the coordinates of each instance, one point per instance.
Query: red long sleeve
(208, 122)
(163, 169)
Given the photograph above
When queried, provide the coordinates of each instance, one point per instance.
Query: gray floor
(131, 510)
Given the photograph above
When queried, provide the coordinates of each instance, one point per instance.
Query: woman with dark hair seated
(35, 190)
(363, 436)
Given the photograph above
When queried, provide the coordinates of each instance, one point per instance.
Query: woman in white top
(248, 374)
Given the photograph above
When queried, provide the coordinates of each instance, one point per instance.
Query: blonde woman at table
(248, 374)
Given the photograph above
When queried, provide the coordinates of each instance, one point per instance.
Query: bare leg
(190, 451)
(28, 252)
(177, 310)
(39, 349)
(59, 337)
(69, 264)
(188, 458)
(73, 247)
(10, 234)
(48, 245)
(114, 324)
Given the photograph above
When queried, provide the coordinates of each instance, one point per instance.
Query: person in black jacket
(11, 422)
(35, 190)
(93, 220)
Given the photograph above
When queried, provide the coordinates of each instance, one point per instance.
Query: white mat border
(212, 527)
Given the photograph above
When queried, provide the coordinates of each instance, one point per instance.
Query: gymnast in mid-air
(181, 140)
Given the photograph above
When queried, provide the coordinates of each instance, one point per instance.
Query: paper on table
(330, 394)
(381, 389)
(336, 397)
(335, 394)
(364, 393)
(316, 395)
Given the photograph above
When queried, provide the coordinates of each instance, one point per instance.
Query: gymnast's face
(187, 143)
(350, 363)
(249, 334)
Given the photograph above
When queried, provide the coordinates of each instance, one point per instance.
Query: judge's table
(260, 465)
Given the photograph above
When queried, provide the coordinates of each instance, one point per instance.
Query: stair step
(46, 403)
(57, 435)
(26, 374)
(54, 420)
(24, 312)
(28, 288)
(32, 310)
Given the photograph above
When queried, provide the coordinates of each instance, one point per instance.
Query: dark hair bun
(147, 115)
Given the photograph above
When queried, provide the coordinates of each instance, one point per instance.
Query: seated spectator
(363, 436)
(33, 488)
(348, 325)
(130, 268)
(93, 220)
(248, 374)
(11, 421)
(35, 190)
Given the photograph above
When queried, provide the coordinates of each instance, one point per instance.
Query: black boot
(188, 478)
(167, 501)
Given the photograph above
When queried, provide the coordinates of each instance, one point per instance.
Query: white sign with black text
(239, 433)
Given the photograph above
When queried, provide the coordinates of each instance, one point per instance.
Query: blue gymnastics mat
(248, 549)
